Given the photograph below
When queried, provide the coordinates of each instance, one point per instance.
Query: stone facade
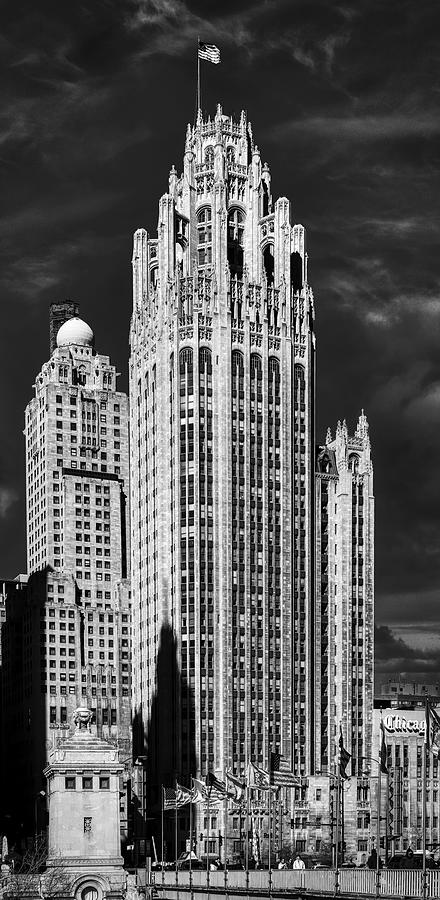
(69, 637)
(344, 616)
(222, 361)
(83, 774)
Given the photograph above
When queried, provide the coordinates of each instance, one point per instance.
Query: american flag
(172, 799)
(169, 798)
(280, 772)
(209, 52)
(216, 788)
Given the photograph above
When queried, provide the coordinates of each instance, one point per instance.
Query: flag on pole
(209, 52)
(184, 795)
(280, 772)
(344, 755)
(173, 799)
(433, 730)
(383, 750)
(216, 788)
(199, 791)
(257, 777)
(235, 787)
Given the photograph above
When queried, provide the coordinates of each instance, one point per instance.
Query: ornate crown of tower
(222, 244)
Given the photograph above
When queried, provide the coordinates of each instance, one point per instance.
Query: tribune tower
(222, 385)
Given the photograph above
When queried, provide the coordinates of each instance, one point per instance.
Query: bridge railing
(355, 882)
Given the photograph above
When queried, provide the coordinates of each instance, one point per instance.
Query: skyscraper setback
(222, 387)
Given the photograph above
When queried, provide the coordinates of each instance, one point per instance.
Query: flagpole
(338, 813)
(198, 79)
(270, 821)
(207, 843)
(425, 748)
(246, 844)
(190, 838)
(175, 830)
(379, 804)
(225, 840)
(161, 828)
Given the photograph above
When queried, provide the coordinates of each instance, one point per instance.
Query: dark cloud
(395, 655)
(344, 104)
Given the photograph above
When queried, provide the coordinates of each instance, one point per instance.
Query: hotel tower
(66, 638)
(222, 394)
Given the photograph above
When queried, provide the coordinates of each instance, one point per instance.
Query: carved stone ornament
(82, 718)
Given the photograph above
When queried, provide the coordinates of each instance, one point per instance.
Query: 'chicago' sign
(395, 724)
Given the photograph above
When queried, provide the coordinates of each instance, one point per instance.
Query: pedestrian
(298, 863)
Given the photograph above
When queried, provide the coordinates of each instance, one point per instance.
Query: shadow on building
(163, 753)
(25, 738)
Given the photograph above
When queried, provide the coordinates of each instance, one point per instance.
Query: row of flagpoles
(215, 791)
(235, 789)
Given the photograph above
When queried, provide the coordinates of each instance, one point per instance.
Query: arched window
(235, 240)
(89, 893)
(296, 271)
(230, 156)
(268, 263)
(353, 463)
(204, 236)
(209, 156)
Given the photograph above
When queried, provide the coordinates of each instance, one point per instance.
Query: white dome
(75, 331)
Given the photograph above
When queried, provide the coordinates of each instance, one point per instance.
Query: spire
(172, 181)
(362, 426)
(328, 437)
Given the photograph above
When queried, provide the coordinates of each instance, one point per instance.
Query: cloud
(8, 496)
(392, 654)
(365, 127)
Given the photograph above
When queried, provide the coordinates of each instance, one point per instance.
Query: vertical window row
(324, 647)
(256, 613)
(204, 236)
(206, 557)
(274, 546)
(238, 559)
(187, 566)
(357, 622)
(299, 565)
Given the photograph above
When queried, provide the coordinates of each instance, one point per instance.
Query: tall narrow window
(268, 263)
(235, 240)
(204, 240)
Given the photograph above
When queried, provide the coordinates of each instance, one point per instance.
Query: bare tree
(30, 877)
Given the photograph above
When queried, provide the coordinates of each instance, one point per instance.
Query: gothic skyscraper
(222, 386)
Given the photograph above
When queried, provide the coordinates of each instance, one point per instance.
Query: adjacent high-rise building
(66, 639)
(344, 611)
(222, 387)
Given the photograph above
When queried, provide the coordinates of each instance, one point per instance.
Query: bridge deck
(350, 883)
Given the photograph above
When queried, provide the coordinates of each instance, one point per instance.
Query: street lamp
(140, 764)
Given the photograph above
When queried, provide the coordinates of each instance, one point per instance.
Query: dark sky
(344, 102)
